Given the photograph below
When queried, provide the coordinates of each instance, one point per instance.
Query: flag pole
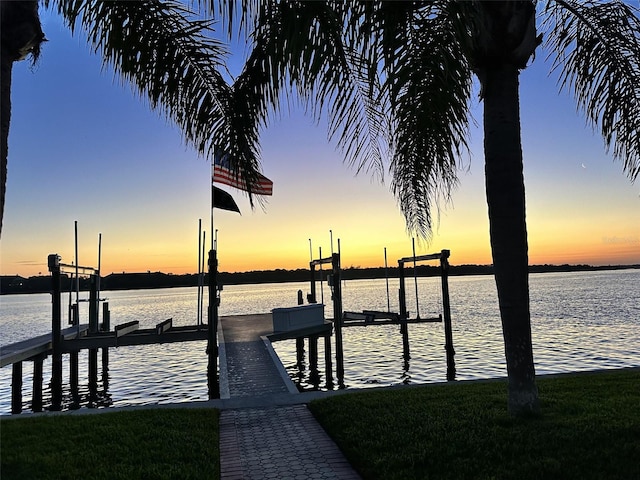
(213, 246)
(212, 314)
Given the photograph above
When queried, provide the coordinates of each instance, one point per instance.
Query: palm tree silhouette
(162, 48)
(21, 37)
(395, 79)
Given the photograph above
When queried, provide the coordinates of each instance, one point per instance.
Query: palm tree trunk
(21, 37)
(508, 230)
(5, 116)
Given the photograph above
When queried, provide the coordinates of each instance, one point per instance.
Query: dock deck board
(250, 370)
(25, 349)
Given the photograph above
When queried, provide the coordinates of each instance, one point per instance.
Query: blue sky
(84, 148)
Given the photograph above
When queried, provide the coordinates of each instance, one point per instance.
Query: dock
(267, 440)
(266, 431)
(246, 360)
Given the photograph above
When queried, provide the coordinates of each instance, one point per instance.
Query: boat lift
(334, 281)
(443, 256)
(402, 318)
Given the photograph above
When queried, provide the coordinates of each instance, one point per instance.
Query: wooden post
(56, 335)
(16, 387)
(337, 316)
(446, 307)
(314, 376)
(404, 314)
(106, 326)
(312, 295)
(73, 363)
(402, 296)
(93, 304)
(93, 329)
(404, 330)
(36, 397)
(93, 375)
(300, 352)
(327, 361)
(212, 336)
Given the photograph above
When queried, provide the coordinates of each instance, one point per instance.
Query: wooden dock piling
(314, 376)
(106, 326)
(36, 397)
(404, 313)
(337, 316)
(300, 352)
(212, 329)
(73, 361)
(56, 331)
(444, 274)
(327, 361)
(16, 387)
(93, 329)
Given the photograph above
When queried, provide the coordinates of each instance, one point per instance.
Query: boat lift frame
(56, 268)
(443, 256)
(335, 282)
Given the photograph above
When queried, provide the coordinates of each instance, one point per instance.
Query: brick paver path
(276, 442)
(283, 443)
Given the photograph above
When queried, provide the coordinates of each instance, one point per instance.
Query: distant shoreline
(11, 285)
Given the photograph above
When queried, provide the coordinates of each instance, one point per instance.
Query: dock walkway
(25, 349)
(266, 440)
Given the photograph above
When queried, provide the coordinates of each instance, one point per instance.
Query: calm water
(580, 321)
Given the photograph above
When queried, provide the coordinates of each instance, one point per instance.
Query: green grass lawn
(150, 444)
(589, 429)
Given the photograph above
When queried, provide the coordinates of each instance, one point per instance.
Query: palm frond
(298, 47)
(430, 89)
(237, 15)
(597, 51)
(169, 55)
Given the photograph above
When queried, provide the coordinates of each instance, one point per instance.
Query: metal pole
(331, 236)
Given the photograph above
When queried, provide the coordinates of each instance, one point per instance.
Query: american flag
(222, 173)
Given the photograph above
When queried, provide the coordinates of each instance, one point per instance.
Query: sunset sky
(83, 147)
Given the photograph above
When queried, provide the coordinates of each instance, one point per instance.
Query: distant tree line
(132, 281)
